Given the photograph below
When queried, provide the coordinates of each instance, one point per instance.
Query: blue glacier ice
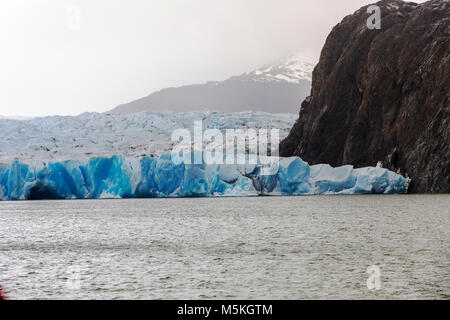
(120, 177)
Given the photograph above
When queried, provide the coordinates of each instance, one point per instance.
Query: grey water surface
(303, 247)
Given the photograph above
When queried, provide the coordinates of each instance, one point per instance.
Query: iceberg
(152, 177)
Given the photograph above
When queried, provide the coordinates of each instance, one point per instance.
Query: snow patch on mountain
(293, 69)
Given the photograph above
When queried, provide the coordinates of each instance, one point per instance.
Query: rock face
(382, 95)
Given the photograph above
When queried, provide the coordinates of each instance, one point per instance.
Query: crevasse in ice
(120, 177)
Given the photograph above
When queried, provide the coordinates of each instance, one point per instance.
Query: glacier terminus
(100, 156)
(146, 177)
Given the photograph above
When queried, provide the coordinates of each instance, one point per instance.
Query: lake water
(227, 248)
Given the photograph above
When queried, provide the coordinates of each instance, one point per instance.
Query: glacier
(93, 156)
(147, 133)
(160, 177)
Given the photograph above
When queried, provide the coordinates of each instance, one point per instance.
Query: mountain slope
(382, 95)
(275, 88)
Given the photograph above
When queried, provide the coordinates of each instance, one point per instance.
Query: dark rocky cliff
(382, 95)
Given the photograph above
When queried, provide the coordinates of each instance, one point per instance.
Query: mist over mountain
(279, 87)
(22, 118)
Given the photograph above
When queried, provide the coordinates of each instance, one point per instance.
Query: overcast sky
(67, 57)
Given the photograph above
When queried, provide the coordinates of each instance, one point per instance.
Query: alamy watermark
(73, 21)
(238, 146)
(374, 280)
(73, 281)
(374, 20)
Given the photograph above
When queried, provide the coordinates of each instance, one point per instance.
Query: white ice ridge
(144, 134)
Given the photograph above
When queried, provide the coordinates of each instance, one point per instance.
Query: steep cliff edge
(382, 95)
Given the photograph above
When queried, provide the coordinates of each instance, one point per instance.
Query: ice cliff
(120, 177)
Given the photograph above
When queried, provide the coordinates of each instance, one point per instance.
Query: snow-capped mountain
(278, 87)
(293, 69)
